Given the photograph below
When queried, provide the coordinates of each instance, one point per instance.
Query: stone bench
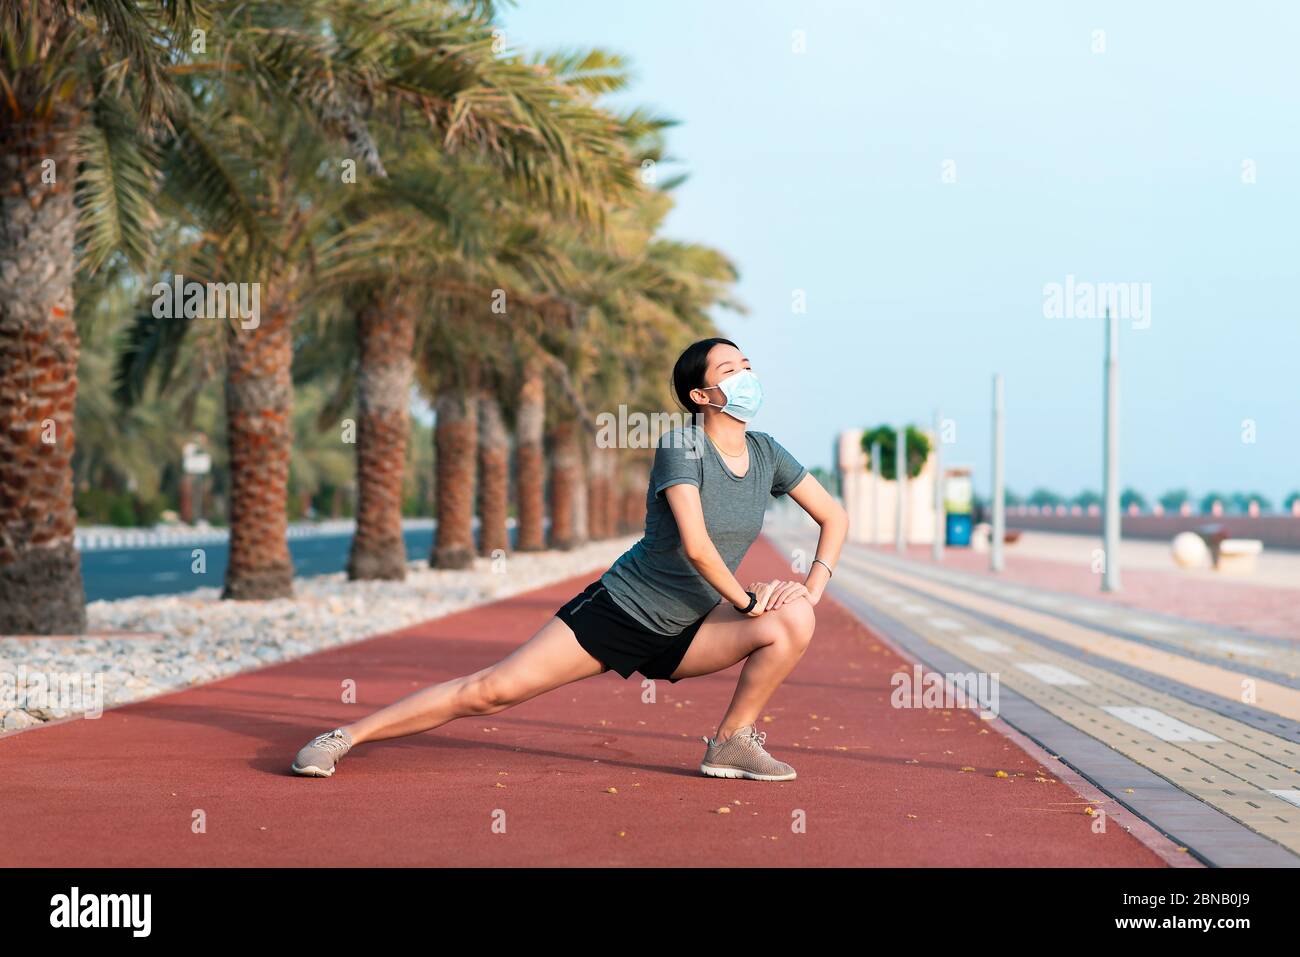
(1232, 556)
(1238, 556)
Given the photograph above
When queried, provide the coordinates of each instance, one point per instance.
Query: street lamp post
(900, 477)
(1110, 460)
(936, 550)
(996, 539)
(875, 493)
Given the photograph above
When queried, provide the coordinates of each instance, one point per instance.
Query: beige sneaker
(742, 756)
(319, 755)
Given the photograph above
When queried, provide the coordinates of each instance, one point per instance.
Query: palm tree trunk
(41, 590)
(595, 502)
(494, 475)
(529, 460)
(456, 438)
(613, 492)
(581, 495)
(566, 473)
(601, 494)
(259, 410)
(385, 339)
(635, 508)
(605, 470)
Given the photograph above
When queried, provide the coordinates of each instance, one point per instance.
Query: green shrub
(918, 449)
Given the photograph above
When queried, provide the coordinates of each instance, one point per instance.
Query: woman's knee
(798, 621)
(486, 693)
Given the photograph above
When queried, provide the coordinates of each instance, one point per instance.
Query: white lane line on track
(983, 643)
(1154, 627)
(1163, 726)
(944, 624)
(1237, 647)
(1089, 611)
(1051, 674)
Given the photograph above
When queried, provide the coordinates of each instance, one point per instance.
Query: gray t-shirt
(654, 581)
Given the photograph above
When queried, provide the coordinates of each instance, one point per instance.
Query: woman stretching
(670, 607)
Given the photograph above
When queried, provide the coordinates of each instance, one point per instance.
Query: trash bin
(958, 530)
(958, 500)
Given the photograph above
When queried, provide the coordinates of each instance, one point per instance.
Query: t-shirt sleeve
(786, 471)
(677, 461)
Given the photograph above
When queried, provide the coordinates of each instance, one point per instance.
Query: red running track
(587, 775)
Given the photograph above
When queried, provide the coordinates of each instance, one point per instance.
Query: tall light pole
(875, 493)
(936, 550)
(996, 560)
(1110, 460)
(900, 477)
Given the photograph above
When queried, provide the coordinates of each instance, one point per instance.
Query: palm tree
(602, 502)
(565, 471)
(647, 298)
(1043, 497)
(456, 438)
(1173, 500)
(337, 65)
(636, 477)
(376, 265)
(530, 418)
(1132, 498)
(1087, 499)
(117, 448)
(573, 169)
(78, 80)
(494, 471)
(385, 338)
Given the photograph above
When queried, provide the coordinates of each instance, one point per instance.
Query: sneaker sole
(311, 771)
(716, 771)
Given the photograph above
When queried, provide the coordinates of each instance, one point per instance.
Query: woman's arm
(684, 500)
(834, 522)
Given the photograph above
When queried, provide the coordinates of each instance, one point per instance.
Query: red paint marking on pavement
(877, 785)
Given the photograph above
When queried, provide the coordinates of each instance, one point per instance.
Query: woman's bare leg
(550, 658)
(773, 643)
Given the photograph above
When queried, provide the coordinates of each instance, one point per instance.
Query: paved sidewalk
(592, 774)
(1191, 726)
(1063, 563)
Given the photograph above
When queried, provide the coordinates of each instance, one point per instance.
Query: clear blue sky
(821, 171)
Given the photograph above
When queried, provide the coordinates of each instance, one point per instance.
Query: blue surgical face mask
(744, 395)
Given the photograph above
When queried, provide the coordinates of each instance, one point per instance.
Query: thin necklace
(738, 455)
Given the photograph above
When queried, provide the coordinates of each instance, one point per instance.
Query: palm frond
(115, 187)
(593, 71)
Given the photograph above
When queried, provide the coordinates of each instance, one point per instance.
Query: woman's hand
(772, 595)
(787, 592)
(761, 592)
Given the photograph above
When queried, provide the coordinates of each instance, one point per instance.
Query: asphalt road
(126, 572)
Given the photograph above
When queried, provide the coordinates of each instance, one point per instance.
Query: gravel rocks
(18, 719)
(194, 637)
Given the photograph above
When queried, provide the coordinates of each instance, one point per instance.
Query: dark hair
(688, 372)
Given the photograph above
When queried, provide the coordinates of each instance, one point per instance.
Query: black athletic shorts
(619, 641)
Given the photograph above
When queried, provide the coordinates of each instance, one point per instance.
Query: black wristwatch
(753, 600)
